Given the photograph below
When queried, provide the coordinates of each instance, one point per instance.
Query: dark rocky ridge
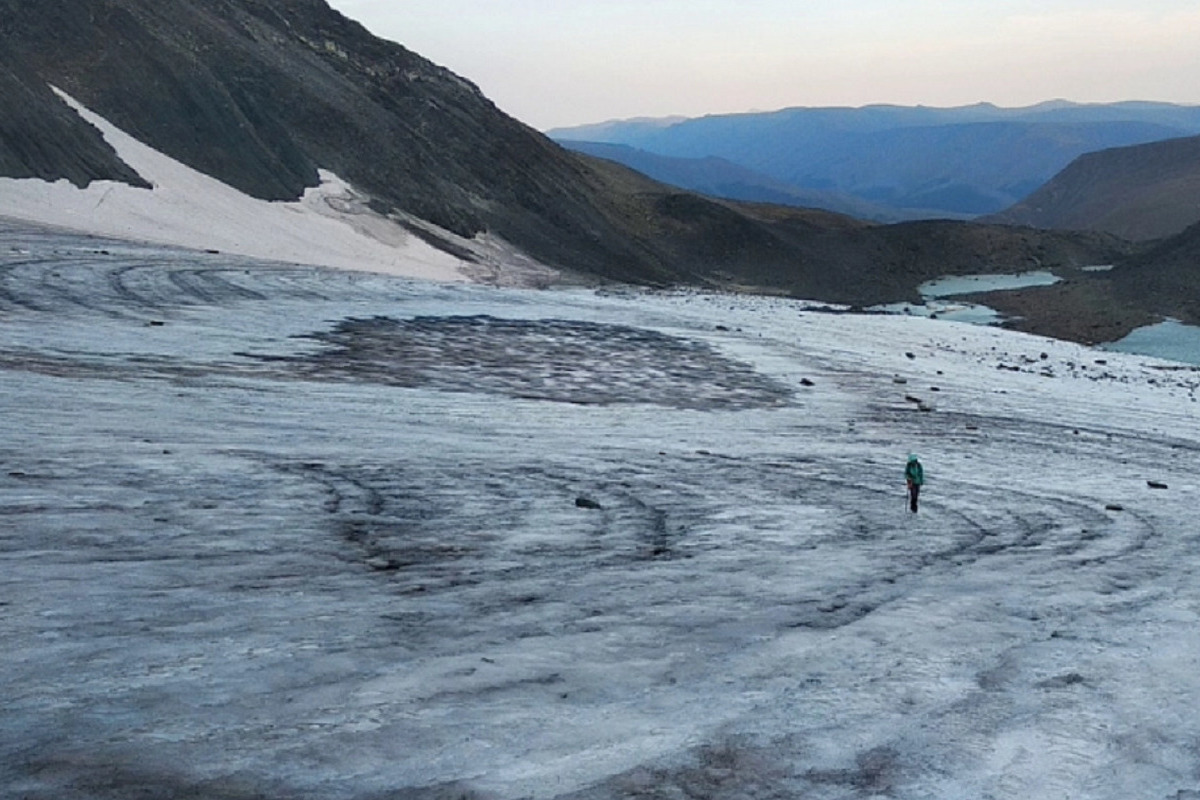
(262, 93)
(42, 138)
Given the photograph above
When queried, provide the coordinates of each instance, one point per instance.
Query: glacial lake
(1169, 339)
(953, 285)
(937, 294)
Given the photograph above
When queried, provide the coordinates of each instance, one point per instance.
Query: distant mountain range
(720, 177)
(888, 163)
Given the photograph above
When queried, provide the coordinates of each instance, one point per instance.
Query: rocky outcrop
(42, 138)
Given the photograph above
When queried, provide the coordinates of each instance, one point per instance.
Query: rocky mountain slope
(1149, 191)
(263, 93)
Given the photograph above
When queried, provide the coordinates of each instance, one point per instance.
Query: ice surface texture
(275, 533)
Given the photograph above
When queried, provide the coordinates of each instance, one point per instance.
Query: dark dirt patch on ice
(744, 768)
(118, 775)
(566, 361)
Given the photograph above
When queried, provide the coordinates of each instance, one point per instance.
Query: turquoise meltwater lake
(1167, 339)
(938, 296)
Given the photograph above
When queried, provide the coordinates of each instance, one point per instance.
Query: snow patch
(329, 226)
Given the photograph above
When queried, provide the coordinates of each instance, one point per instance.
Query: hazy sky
(564, 62)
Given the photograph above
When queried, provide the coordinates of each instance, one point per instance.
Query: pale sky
(566, 62)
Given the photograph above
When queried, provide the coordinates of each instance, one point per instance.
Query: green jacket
(914, 473)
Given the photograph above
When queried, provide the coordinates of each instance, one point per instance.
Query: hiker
(914, 475)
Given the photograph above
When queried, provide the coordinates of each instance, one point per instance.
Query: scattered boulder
(587, 502)
(1156, 484)
(1063, 681)
(1114, 507)
(806, 382)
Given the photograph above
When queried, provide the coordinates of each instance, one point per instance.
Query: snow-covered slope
(331, 226)
(292, 532)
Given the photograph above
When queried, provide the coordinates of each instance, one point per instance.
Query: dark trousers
(914, 491)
